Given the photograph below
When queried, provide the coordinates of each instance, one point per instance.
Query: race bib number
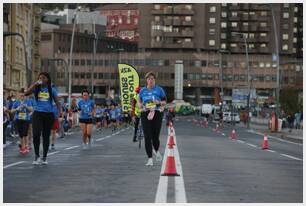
(22, 115)
(43, 96)
(150, 105)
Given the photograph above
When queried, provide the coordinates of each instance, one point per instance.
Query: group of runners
(44, 112)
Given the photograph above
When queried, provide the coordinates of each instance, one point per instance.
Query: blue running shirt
(113, 114)
(148, 96)
(86, 107)
(43, 103)
(24, 114)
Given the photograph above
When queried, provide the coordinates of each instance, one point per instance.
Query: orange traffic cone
(265, 144)
(170, 169)
(171, 141)
(233, 134)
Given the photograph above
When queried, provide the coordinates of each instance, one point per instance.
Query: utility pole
(93, 57)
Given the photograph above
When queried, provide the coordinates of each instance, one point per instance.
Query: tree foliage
(289, 100)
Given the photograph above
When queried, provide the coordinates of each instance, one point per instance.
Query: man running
(87, 112)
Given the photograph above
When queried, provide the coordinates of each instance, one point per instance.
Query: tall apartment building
(25, 20)
(209, 38)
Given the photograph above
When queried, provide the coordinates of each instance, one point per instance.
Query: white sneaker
(84, 146)
(158, 156)
(150, 162)
(44, 161)
(37, 161)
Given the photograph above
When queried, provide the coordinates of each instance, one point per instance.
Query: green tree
(289, 100)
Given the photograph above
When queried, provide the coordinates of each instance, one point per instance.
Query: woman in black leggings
(152, 100)
(43, 117)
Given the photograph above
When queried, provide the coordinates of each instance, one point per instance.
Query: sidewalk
(261, 125)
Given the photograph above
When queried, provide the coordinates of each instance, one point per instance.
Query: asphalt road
(212, 168)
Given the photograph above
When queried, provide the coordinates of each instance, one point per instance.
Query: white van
(206, 109)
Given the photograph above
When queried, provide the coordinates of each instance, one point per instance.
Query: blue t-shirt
(86, 107)
(113, 114)
(119, 112)
(23, 114)
(43, 103)
(99, 112)
(148, 96)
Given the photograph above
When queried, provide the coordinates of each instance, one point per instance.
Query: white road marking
(52, 153)
(270, 150)
(289, 156)
(13, 164)
(69, 148)
(251, 145)
(238, 140)
(223, 134)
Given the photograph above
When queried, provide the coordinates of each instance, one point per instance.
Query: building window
(295, 19)
(286, 5)
(285, 15)
(251, 46)
(263, 45)
(223, 46)
(261, 64)
(223, 24)
(285, 36)
(224, 14)
(285, 47)
(268, 65)
(251, 35)
(294, 40)
(187, 18)
(82, 62)
(296, 9)
(212, 20)
(188, 7)
(223, 35)
(294, 30)
(234, 24)
(245, 24)
(294, 50)
(224, 5)
(233, 45)
(263, 34)
(156, 6)
(263, 13)
(157, 18)
(234, 14)
(263, 24)
(212, 9)
(212, 31)
(212, 42)
(285, 26)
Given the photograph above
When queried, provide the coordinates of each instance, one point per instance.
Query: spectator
(290, 120)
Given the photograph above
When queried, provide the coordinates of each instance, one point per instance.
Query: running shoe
(27, 149)
(158, 156)
(150, 162)
(52, 147)
(84, 146)
(36, 161)
(44, 161)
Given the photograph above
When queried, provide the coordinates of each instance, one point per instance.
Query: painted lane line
(13, 164)
(289, 156)
(52, 153)
(251, 145)
(223, 134)
(69, 148)
(238, 140)
(161, 193)
(180, 193)
(270, 150)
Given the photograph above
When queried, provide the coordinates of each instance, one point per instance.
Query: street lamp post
(221, 51)
(93, 58)
(248, 71)
(28, 74)
(70, 56)
(277, 56)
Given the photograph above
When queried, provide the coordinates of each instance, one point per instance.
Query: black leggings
(136, 126)
(42, 124)
(151, 130)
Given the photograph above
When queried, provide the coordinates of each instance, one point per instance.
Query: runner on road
(152, 100)
(22, 109)
(87, 112)
(43, 116)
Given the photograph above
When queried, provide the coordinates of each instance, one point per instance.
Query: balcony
(253, 27)
(253, 18)
(157, 12)
(167, 22)
(234, 18)
(263, 18)
(236, 38)
(244, 6)
(263, 39)
(234, 28)
(188, 45)
(244, 28)
(236, 50)
(187, 23)
(157, 33)
(263, 28)
(180, 11)
(177, 22)
(245, 17)
(264, 50)
(172, 45)
(234, 7)
(168, 11)
(172, 34)
(187, 33)
(156, 44)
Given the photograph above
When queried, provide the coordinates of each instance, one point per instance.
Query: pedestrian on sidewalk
(6, 119)
(152, 101)
(87, 112)
(43, 117)
(290, 120)
(297, 117)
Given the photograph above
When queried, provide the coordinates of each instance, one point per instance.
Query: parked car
(229, 117)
